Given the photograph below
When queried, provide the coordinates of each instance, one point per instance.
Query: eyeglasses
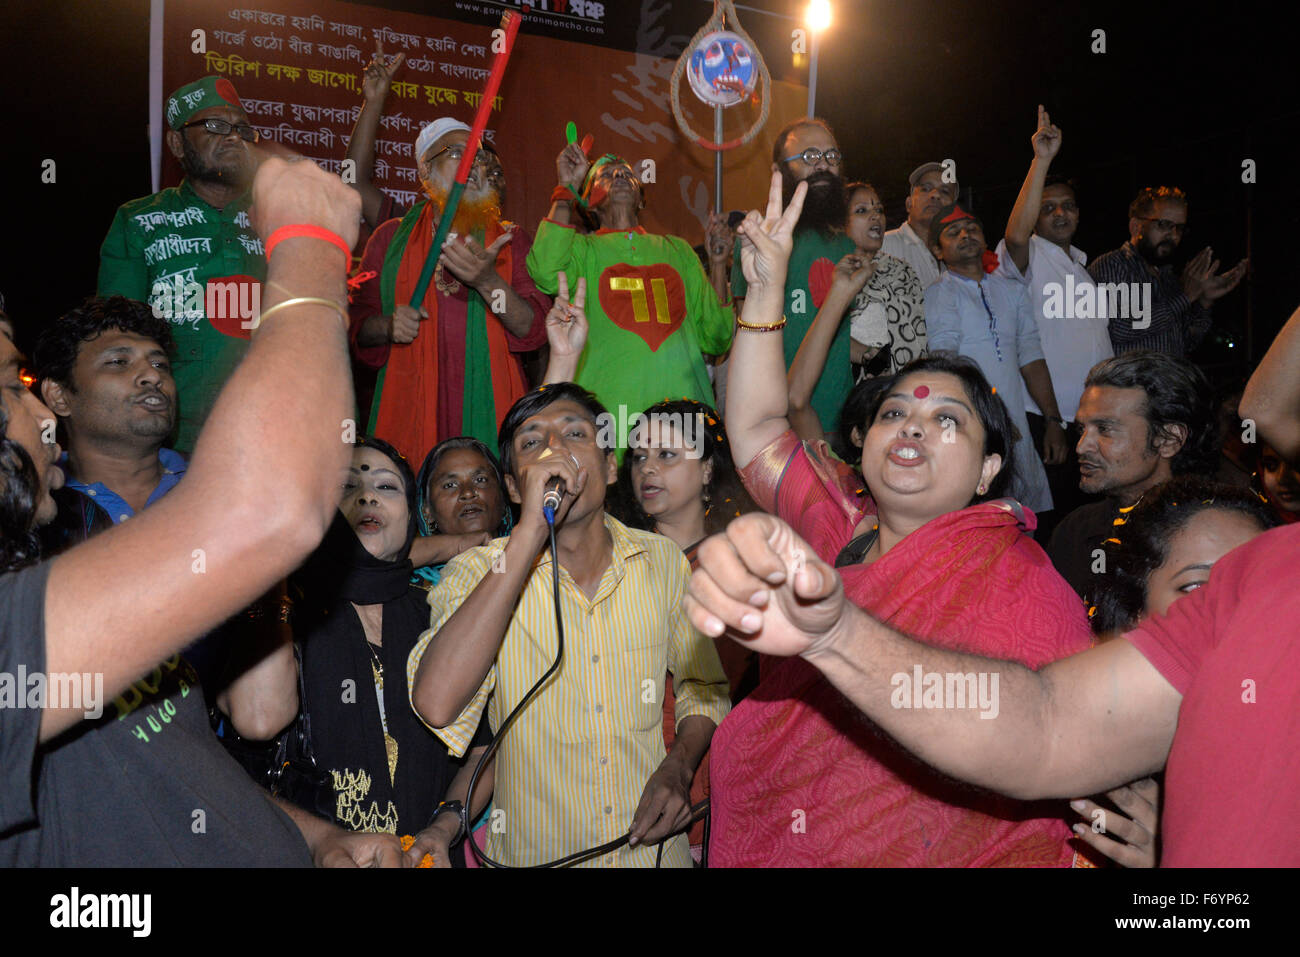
(812, 156)
(222, 128)
(1168, 226)
(456, 153)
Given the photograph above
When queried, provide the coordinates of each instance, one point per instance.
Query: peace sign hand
(766, 241)
(566, 323)
(379, 73)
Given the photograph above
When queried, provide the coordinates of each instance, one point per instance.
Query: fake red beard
(474, 214)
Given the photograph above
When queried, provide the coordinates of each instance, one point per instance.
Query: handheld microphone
(555, 490)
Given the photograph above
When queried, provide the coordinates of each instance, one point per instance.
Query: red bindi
(921, 391)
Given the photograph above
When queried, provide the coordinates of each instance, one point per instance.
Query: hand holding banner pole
(510, 23)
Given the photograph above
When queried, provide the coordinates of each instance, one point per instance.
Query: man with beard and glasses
(928, 193)
(806, 151)
(451, 365)
(105, 371)
(1145, 418)
(1179, 313)
(191, 247)
(652, 313)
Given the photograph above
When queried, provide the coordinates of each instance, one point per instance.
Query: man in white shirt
(1071, 310)
(910, 241)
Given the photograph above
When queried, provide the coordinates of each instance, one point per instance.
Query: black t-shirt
(145, 784)
(1076, 538)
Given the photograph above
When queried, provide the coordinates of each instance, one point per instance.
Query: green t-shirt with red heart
(652, 313)
(808, 280)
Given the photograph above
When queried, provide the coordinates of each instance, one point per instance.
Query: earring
(982, 489)
(706, 497)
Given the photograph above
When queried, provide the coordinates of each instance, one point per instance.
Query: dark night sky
(1182, 95)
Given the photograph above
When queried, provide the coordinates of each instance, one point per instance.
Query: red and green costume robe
(462, 374)
(652, 313)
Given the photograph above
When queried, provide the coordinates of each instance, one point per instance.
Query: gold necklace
(390, 743)
(448, 287)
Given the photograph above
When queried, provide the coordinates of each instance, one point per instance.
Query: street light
(818, 19)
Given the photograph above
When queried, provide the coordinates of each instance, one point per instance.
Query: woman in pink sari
(799, 776)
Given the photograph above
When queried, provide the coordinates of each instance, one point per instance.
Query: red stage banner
(298, 64)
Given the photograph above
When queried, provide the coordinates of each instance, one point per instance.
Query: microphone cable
(480, 855)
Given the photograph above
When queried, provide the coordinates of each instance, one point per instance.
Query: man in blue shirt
(986, 317)
(105, 371)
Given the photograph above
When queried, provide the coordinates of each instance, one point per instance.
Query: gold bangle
(305, 301)
(761, 328)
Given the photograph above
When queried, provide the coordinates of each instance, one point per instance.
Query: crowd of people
(890, 566)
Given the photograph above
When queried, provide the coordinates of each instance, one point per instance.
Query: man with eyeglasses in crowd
(1179, 316)
(450, 366)
(806, 151)
(910, 241)
(190, 247)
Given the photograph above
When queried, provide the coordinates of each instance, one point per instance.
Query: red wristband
(562, 194)
(315, 232)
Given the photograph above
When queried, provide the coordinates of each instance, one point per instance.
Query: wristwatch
(1057, 419)
(449, 807)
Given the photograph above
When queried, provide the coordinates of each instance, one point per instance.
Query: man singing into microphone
(584, 763)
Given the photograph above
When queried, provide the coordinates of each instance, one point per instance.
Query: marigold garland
(407, 843)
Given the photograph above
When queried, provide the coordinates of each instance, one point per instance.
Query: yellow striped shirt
(572, 768)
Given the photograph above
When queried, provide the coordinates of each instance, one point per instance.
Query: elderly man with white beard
(450, 366)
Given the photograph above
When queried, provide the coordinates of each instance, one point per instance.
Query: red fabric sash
(408, 406)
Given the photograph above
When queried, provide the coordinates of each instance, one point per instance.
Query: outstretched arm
(756, 412)
(1024, 214)
(361, 145)
(1272, 396)
(265, 477)
(1079, 726)
(851, 274)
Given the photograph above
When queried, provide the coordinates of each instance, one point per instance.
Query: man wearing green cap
(653, 314)
(189, 250)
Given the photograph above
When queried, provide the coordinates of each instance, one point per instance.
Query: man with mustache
(190, 247)
(105, 371)
(653, 314)
(1180, 306)
(1038, 249)
(1145, 417)
(986, 317)
(451, 365)
(806, 151)
(929, 192)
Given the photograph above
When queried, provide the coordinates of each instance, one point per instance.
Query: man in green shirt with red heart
(653, 314)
